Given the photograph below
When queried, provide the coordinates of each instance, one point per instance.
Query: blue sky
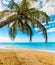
(49, 8)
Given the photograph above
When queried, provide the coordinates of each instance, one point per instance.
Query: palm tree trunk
(5, 22)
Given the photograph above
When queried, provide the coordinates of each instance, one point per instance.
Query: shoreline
(11, 48)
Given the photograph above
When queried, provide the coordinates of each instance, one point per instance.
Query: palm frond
(29, 30)
(13, 5)
(6, 13)
(45, 17)
(41, 27)
(30, 20)
(33, 12)
(39, 15)
(12, 32)
(24, 6)
(20, 25)
(12, 16)
(34, 0)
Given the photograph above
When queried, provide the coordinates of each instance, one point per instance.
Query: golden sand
(26, 57)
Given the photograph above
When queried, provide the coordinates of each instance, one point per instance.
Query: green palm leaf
(29, 30)
(12, 32)
(45, 17)
(41, 27)
(32, 12)
(13, 5)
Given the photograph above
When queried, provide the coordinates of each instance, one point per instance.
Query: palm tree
(24, 18)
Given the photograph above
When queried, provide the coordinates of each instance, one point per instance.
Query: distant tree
(22, 17)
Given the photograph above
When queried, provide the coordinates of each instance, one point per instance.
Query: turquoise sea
(39, 46)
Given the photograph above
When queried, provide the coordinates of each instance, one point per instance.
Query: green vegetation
(22, 17)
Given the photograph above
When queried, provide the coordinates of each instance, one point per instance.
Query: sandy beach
(26, 57)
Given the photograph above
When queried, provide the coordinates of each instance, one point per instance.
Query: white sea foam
(12, 48)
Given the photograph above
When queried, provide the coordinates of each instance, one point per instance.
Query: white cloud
(7, 39)
(49, 8)
(51, 30)
(36, 29)
(18, 1)
(1, 8)
(4, 39)
(5, 2)
(34, 4)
